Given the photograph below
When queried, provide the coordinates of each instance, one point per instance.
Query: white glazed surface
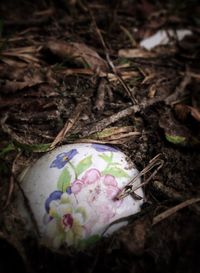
(71, 192)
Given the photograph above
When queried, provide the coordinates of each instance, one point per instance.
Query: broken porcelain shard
(162, 37)
(71, 192)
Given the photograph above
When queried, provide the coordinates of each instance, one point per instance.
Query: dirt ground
(69, 71)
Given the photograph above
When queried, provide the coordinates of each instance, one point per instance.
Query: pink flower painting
(99, 189)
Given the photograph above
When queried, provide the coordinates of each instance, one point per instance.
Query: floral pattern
(98, 189)
(66, 223)
(66, 219)
(62, 159)
(104, 148)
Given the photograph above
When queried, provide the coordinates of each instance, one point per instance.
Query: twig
(99, 104)
(130, 188)
(125, 86)
(100, 125)
(68, 125)
(162, 216)
(110, 63)
(179, 90)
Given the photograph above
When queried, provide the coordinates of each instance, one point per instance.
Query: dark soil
(45, 81)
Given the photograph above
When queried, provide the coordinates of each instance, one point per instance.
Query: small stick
(160, 217)
(100, 125)
(68, 125)
(110, 63)
(100, 104)
(179, 90)
(125, 86)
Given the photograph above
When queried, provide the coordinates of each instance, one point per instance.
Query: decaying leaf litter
(74, 71)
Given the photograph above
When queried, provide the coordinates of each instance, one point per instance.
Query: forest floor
(78, 68)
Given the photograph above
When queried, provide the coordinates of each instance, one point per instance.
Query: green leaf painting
(64, 180)
(106, 157)
(115, 171)
(89, 241)
(82, 211)
(83, 165)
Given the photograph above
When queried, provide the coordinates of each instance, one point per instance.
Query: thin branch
(179, 90)
(100, 125)
(69, 124)
(162, 216)
(110, 63)
(100, 103)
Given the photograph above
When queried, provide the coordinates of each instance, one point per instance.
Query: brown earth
(66, 68)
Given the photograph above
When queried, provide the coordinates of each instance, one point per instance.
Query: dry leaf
(80, 53)
(194, 112)
(175, 132)
(182, 111)
(22, 81)
(28, 54)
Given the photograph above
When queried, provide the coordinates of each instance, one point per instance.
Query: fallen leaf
(182, 111)
(174, 131)
(135, 53)
(80, 53)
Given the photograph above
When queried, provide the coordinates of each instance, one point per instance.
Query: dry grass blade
(118, 76)
(13, 62)
(21, 50)
(135, 53)
(100, 125)
(162, 216)
(29, 54)
(112, 131)
(125, 75)
(114, 135)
